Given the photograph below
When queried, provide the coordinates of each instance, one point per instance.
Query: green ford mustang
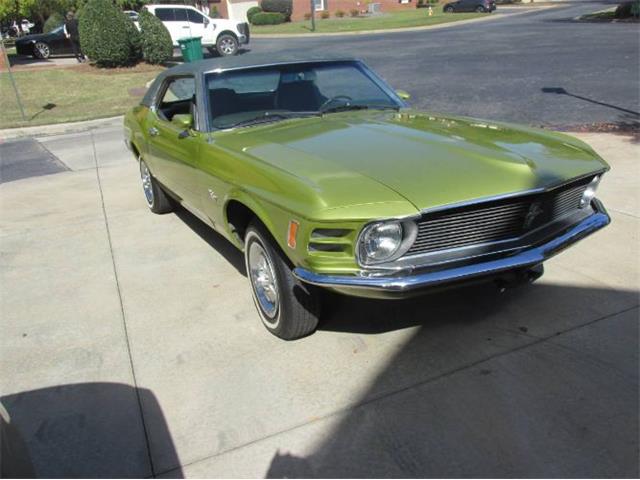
(324, 177)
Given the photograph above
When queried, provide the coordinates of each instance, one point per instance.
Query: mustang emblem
(534, 211)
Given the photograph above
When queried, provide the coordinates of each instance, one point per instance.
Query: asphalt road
(500, 68)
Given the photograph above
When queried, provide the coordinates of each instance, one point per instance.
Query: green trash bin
(191, 48)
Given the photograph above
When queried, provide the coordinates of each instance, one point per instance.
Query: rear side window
(178, 97)
(164, 14)
(180, 14)
(195, 17)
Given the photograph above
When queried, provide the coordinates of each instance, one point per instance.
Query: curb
(60, 128)
(407, 29)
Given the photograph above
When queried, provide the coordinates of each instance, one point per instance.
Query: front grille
(495, 221)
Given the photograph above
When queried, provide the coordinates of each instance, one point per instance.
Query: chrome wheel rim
(263, 282)
(42, 50)
(145, 175)
(227, 46)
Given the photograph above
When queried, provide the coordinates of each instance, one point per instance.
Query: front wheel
(41, 50)
(480, 10)
(449, 9)
(288, 308)
(227, 45)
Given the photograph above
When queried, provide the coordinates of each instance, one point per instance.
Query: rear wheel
(227, 45)
(41, 50)
(288, 308)
(480, 9)
(157, 200)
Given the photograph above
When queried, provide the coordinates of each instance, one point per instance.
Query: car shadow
(84, 430)
(214, 239)
(488, 385)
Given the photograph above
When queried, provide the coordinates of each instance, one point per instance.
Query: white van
(218, 34)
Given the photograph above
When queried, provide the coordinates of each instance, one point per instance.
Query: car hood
(430, 160)
(33, 38)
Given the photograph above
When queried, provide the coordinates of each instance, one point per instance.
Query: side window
(194, 17)
(164, 14)
(180, 14)
(178, 98)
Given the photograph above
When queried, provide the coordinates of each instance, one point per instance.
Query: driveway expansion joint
(122, 312)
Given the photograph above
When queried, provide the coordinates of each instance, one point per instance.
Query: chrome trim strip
(525, 258)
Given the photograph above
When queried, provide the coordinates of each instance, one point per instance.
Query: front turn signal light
(292, 233)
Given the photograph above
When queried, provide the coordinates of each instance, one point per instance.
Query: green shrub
(285, 7)
(339, 13)
(103, 34)
(268, 18)
(157, 46)
(354, 12)
(135, 39)
(324, 15)
(251, 12)
(53, 22)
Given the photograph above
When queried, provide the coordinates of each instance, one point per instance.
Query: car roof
(244, 61)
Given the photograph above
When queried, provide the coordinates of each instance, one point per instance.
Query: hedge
(103, 34)
(251, 12)
(285, 7)
(157, 46)
(53, 22)
(268, 18)
(135, 39)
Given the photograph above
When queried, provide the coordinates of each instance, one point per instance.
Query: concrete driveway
(130, 346)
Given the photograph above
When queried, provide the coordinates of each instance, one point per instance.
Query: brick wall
(300, 7)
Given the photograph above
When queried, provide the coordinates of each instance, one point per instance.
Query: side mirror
(403, 94)
(183, 120)
(206, 22)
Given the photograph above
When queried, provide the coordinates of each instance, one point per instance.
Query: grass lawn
(402, 19)
(70, 94)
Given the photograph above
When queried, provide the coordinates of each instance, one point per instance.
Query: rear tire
(157, 200)
(480, 10)
(288, 308)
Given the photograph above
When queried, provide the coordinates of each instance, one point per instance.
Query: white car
(218, 34)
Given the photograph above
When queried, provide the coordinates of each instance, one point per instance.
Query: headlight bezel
(408, 231)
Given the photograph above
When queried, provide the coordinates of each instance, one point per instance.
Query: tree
(35, 10)
(103, 34)
(157, 46)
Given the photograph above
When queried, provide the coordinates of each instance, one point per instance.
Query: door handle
(153, 131)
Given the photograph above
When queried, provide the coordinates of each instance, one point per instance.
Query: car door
(58, 43)
(173, 149)
(199, 26)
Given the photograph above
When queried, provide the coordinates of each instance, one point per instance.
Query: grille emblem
(534, 211)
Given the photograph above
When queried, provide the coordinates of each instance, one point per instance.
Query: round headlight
(589, 193)
(380, 241)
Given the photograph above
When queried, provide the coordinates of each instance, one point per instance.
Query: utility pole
(5, 57)
(312, 5)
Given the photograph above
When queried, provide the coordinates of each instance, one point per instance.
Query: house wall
(300, 7)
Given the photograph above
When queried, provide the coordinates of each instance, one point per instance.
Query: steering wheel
(334, 99)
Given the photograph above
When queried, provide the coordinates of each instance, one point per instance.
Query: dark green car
(323, 176)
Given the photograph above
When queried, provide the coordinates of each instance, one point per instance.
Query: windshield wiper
(267, 117)
(347, 107)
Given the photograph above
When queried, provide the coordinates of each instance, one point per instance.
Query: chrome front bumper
(401, 285)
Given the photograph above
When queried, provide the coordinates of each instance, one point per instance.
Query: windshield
(246, 97)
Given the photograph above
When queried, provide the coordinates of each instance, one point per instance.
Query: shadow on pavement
(83, 430)
(459, 401)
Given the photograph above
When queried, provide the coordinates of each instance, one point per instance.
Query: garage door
(238, 9)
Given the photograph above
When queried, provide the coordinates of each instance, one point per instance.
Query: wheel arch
(230, 32)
